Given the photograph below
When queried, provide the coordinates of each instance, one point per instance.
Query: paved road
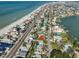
(17, 45)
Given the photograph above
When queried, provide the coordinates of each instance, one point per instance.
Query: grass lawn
(54, 45)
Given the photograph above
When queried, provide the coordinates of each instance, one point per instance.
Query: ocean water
(11, 11)
(71, 24)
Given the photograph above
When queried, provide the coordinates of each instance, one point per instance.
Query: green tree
(55, 53)
(65, 55)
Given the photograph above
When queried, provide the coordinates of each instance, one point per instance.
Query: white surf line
(8, 27)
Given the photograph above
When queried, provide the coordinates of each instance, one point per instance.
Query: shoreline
(59, 20)
(19, 21)
(59, 39)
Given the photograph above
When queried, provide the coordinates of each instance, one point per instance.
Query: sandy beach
(8, 27)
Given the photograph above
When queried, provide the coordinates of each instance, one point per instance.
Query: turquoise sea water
(71, 23)
(11, 11)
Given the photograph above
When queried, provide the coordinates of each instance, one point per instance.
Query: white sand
(8, 27)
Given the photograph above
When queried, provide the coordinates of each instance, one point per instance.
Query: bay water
(71, 24)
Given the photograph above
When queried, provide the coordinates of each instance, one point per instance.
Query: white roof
(40, 42)
(22, 27)
(7, 41)
(7, 49)
(14, 29)
(57, 37)
(67, 46)
(56, 26)
(37, 52)
(28, 46)
(32, 16)
(38, 56)
(22, 54)
(1, 51)
(43, 28)
(31, 38)
(23, 48)
(42, 16)
(57, 29)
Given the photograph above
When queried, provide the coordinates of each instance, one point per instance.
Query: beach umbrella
(41, 37)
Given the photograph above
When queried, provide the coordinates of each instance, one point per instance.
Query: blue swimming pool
(58, 33)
